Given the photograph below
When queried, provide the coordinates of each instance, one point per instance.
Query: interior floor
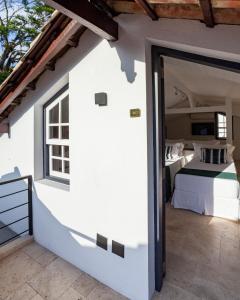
(35, 273)
(203, 257)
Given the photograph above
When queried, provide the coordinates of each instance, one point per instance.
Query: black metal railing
(28, 203)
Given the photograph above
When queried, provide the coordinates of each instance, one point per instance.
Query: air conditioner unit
(202, 116)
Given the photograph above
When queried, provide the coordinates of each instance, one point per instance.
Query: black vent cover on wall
(102, 241)
(118, 249)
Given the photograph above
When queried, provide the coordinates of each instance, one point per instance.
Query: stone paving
(203, 262)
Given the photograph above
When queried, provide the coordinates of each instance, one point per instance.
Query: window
(57, 159)
(221, 126)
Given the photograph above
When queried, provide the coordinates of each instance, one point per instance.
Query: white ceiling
(201, 81)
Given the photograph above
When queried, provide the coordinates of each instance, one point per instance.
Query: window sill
(54, 184)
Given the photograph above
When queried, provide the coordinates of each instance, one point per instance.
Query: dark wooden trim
(88, 15)
(102, 5)
(148, 9)
(4, 128)
(31, 86)
(57, 45)
(158, 148)
(206, 6)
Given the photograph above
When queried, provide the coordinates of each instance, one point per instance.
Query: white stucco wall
(110, 191)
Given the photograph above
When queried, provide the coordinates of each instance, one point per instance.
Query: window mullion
(51, 135)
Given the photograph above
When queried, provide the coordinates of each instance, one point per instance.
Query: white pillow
(177, 149)
(230, 148)
(180, 149)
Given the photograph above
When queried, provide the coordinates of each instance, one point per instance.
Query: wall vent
(118, 249)
(102, 241)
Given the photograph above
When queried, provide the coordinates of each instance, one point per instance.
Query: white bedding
(174, 166)
(205, 195)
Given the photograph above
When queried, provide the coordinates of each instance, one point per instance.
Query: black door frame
(157, 53)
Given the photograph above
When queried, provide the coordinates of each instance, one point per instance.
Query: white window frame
(50, 142)
(221, 126)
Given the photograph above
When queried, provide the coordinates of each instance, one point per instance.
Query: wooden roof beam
(206, 6)
(148, 9)
(50, 66)
(104, 7)
(31, 86)
(88, 15)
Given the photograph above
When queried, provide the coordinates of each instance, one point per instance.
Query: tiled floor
(35, 273)
(203, 257)
(203, 262)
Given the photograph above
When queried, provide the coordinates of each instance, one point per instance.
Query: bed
(208, 189)
(172, 167)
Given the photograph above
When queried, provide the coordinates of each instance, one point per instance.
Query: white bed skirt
(203, 204)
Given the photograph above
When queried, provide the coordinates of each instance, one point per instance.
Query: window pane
(222, 130)
(222, 135)
(53, 132)
(57, 150)
(66, 151)
(220, 118)
(57, 165)
(65, 132)
(221, 124)
(54, 114)
(65, 110)
(66, 167)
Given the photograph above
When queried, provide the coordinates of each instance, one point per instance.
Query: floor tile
(71, 294)
(218, 277)
(206, 289)
(180, 272)
(55, 279)
(201, 250)
(46, 258)
(24, 292)
(206, 261)
(15, 270)
(34, 250)
(85, 284)
(172, 292)
(104, 293)
(37, 297)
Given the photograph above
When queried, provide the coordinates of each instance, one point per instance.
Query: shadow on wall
(10, 198)
(80, 250)
(73, 245)
(127, 61)
(128, 48)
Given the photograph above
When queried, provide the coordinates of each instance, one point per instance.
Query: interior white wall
(180, 126)
(111, 190)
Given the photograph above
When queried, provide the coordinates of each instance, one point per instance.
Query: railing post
(30, 212)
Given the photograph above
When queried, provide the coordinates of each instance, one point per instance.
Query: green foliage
(4, 75)
(20, 23)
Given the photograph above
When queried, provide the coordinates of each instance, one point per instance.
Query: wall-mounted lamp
(101, 99)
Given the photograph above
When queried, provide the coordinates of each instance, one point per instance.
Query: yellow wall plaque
(135, 113)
